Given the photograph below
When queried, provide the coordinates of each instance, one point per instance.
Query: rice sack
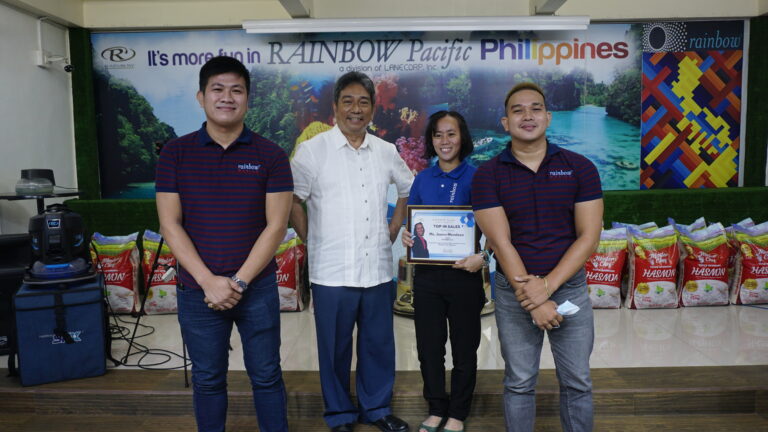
(117, 259)
(733, 245)
(653, 264)
(604, 269)
(704, 255)
(751, 265)
(698, 224)
(290, 257)
(646, 227)
(161, 295)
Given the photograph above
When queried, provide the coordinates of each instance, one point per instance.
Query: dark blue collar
(203, 138)
(455, 173)
(506, 155)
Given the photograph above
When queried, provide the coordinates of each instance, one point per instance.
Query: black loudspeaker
(59, 247)
(15, 256)
(58, 235)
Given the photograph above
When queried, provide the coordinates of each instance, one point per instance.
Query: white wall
(36, 128)
(762, 7)
(141, 14)
(660, 9)
(69, 12)
(598, 10)
(174, 13)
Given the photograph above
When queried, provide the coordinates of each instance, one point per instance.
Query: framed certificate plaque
(441, 234)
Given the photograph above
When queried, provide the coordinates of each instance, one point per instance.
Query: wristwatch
(241, 283)
(486, 257)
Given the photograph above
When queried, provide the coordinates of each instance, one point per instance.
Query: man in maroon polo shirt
(541, 208)
(223, 198)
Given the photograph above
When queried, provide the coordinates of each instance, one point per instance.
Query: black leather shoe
(346, 427)
(390, 423)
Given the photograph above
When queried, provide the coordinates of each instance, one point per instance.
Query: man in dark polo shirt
(223, 198)
(541, 208)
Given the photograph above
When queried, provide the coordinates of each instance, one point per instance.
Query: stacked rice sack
(733, 244)
(704, 266)
(679, 265)
(117, 259)
(653, 261)
(750, 279)
(290, 258)
(605, 269)
(161, 294)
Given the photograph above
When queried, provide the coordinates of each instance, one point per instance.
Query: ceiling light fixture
(326, 25)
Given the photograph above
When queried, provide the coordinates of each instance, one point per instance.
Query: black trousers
(445, 298)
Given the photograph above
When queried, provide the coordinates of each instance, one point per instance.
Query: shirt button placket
(364, 198)
(222, 165)
(536, 193)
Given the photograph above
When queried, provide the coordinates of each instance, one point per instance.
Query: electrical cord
(119, 332)
(145, 354)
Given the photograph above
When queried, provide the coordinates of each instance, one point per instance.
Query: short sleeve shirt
(433, 186)
(223, 194)
(346, 194)
(539, 205)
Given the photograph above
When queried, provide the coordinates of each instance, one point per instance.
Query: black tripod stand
(140, 312)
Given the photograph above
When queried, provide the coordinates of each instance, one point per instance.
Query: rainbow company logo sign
(527, 49)
(692, 36)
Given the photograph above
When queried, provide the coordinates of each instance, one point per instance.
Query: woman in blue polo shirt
(447, 297)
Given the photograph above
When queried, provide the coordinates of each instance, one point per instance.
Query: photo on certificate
(441, 234)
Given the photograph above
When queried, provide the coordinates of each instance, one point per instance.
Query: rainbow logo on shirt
(248, 167)
(561, 173)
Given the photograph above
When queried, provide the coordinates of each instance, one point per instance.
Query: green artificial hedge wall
(84, 103)
(116, 217)
(726, 205)
(756, 139)
(120, 217)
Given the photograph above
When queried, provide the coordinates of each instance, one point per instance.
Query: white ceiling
(143, 14)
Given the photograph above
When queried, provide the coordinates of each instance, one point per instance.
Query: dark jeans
(206, 333)
(446, 298)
